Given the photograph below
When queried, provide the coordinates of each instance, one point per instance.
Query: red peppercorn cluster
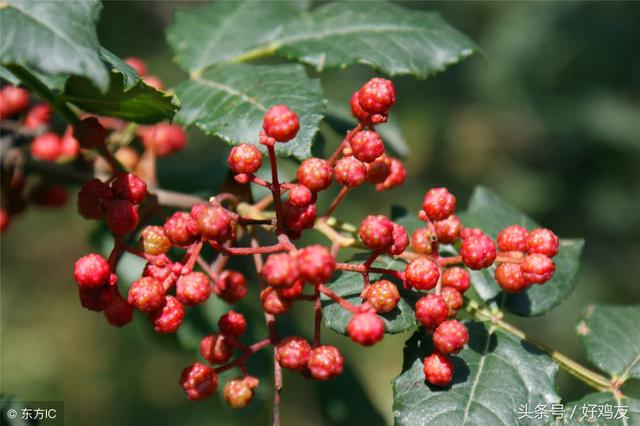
(177, 276)
(32, 121)
(522, 258)
(527, 257)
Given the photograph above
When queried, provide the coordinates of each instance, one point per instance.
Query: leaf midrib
(274, 45)
(476, 381)
(232, 91)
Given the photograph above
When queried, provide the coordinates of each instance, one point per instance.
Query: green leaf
(492, 376)
(53, 38)
(341, 120)
(141, 103)
(230, 102)
(602, 408)
(392, 39)
(220, 31)
(611, 337)
(117, 65)
(492, 214)
(349, 286)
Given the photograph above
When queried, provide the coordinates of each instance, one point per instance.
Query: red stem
(318, 317)
(261, 182)
(362, 269)
(275, 189)
(339, 300)
(336, 154)
(250, 350)
(194, 253)
(334, 204)
(281, 245)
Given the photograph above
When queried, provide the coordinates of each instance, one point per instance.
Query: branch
(590, 377)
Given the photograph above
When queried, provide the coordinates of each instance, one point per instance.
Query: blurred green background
(548, 116)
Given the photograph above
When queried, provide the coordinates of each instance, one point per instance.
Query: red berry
(315, 264)
(301, 196)
(280, 123)
(273, 302)
(193, 288)
(397, 176)
(367, 145)
(431, 311)
(215, 223)
(37, 116)
(510, 277)
(537, 268)
(513, 238)
(376, 232)
(232, 324)
(196, 209)
(137, 64)
(293, 353)
(315, 174)
(46, 147)
(92, 198)
(13, 100)
(5, 218)
(450, 337)
(280, 270)
(542, 241)
(377, 95)
(356, 109)
(69, 146)
(379, 170)
(438, 369)
(477, 251)
(422, 274)
(154, 241)
(325, 362)
(163, 138)
(292, 292)
(97, 299)
(121, 216)
(198, 381)
(160, 273)
(90, 133)
(119, 313)
(421, 241)
(181, 229)
(216, 349)
(453, 298)
(238, 392)
(168, 318)
(366, 328)
(153, 81)
(439, 203)
(400, 240)
(456, 277)
(245, 158)
(448, 230)
(383, 296)
(146, 294)
(130, 187)
(350, 172)
(299, 218)
(91, 271)
(231, 286)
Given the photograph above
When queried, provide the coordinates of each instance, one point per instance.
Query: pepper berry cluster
(177, 276)
(32, 134)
